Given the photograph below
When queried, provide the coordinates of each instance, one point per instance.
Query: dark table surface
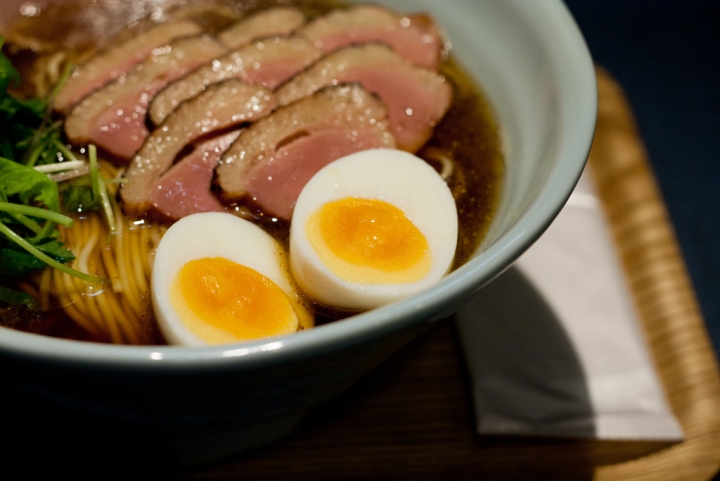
(666, 54)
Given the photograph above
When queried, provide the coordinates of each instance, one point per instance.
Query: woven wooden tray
(412, 418)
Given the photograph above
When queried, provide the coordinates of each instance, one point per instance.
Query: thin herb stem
(28, 222)
(60, 166)
(107, 207)
(53, 127)
(47, 259)
(94, 181)
(32, 160)
(64, 150)
(36, 212)
(99, 188)
(33, 151)
(47, 230)
(61, 81)
(41, 140)
(69, 174)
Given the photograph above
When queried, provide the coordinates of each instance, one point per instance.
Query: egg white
(209, 235)
(393, 176)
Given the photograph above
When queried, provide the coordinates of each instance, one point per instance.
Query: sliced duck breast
(115, 61)
(275, 157)
(219, 108)
(184, 189)
(267, 62)
(271, 21)
(113, 118)
(415, 37)
(416, 98)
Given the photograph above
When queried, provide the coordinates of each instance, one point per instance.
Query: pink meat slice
(267, 62)
(275, 185)
(271, 21)
(415, 37)
(115, 61)
(416, 98)
(185, 188)
(113, 118)
(274, 158)
(221, 107)
(121, 130)
(273, 74)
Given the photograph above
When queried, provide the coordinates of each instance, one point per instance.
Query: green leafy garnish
(34, 250)
(27, 184)
(8, 74)
(29, 200)
(79, 198)
(98, 188)
(16, 263)
(20, 188)
(16, 298)
(19, 119)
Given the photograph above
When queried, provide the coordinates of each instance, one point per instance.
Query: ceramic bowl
(193, 404)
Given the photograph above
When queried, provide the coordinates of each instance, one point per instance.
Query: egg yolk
(216, 297)
(368, 241)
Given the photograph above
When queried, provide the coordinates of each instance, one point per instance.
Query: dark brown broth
(468, 134)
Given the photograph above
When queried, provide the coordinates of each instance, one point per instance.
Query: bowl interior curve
(532, 62)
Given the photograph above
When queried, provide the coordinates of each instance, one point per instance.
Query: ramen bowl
(188, 405)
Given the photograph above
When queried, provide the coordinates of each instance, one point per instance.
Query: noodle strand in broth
(464, 149)
(119, 312)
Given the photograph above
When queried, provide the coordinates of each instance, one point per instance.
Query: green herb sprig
(30, 207)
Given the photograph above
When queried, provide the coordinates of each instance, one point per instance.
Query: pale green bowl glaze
(202, 403)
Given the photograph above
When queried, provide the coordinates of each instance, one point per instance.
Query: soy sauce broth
(467, 138)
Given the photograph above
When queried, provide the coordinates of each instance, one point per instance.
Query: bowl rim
(460, 283)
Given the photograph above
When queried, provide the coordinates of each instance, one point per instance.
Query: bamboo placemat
(663, 292)
(412, 417)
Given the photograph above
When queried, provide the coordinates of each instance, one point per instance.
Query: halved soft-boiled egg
(218, 278)
(371, 228)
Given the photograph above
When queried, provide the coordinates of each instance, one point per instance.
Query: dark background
(665, 53)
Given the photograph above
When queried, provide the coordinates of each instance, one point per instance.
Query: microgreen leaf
(27, 185)
(29, 199)
(16, 298)
(79, 198)
(47, 259)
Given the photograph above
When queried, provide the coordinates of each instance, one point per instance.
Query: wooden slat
(665, 299)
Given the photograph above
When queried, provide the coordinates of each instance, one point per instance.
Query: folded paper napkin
(554, 346)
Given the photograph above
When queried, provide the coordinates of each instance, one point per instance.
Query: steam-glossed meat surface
(415, 37)
(220, 107)
(416, 98)
(276, 156)
(267, 62)
(293, 166)
(185, 188)
(273, 21)
(113, 117)
(115, 61)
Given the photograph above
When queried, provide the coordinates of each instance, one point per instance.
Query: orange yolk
(369, 241)
(215, 297)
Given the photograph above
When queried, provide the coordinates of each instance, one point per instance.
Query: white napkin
(554, 345)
